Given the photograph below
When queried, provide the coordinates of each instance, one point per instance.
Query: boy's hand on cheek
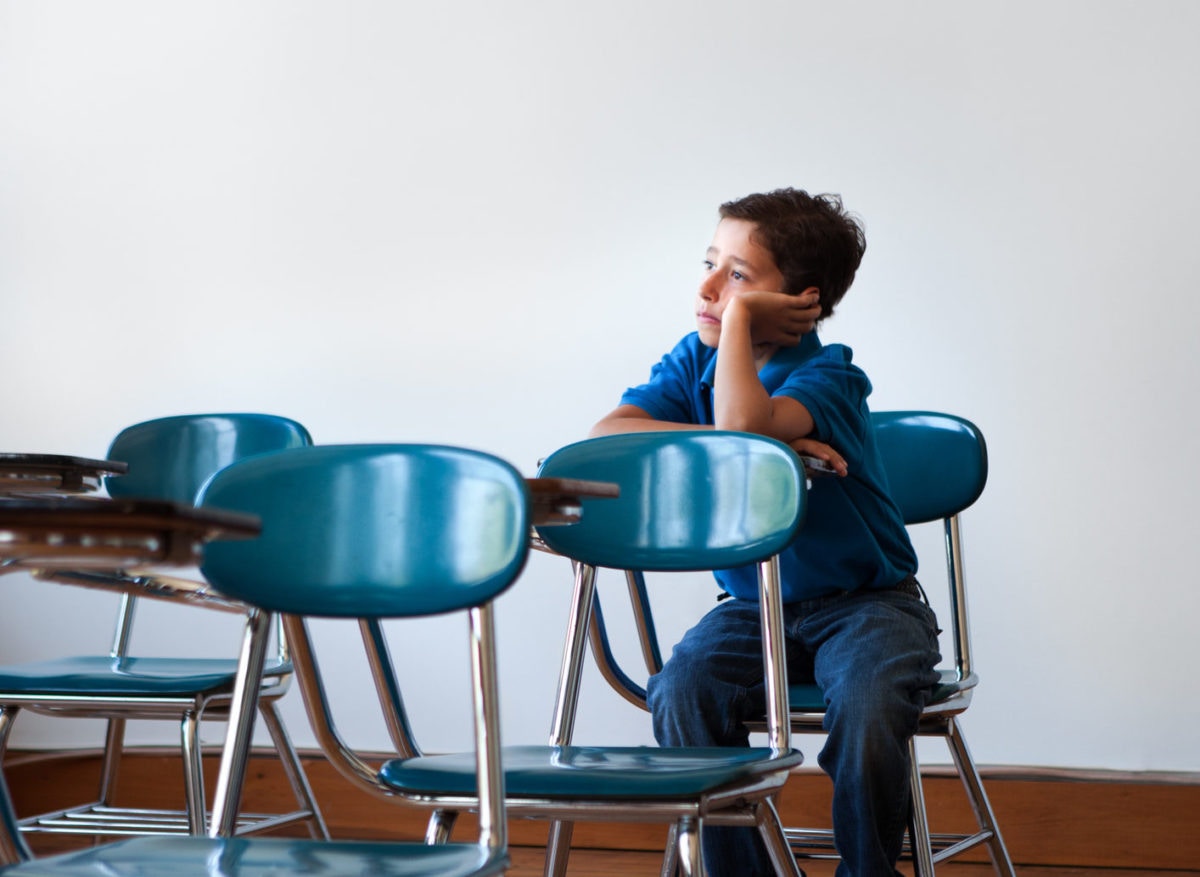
(778, 318)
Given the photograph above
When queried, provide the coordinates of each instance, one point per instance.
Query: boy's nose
(709, 288)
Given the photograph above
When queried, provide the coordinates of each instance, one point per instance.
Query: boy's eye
(708, 266)
(738, 275)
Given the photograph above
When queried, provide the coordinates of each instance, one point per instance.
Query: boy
(855, 619)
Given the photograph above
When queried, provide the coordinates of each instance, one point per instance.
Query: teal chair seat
(611, 773)
(808, 697)
(263, 857)
(104, 675)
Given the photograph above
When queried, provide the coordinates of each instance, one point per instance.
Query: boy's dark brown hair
(812, 238)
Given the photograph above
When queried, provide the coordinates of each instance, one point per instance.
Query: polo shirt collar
(784, 361)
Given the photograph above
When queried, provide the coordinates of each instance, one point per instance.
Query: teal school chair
(339, 529)
(937, 467)
(169, 459)
(682, 506)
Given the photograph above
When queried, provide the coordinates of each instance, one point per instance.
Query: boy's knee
(691, 706)
(676, 687)
(874, 714)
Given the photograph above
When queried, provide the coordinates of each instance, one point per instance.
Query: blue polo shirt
(853, 535)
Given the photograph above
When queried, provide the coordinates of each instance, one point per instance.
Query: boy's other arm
(631, 418)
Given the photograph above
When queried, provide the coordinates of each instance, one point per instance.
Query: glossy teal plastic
(105, 675)
(746, 500)
(264, 857)
(609, 773)
(447, 528)
(170, 458)
(936, 463)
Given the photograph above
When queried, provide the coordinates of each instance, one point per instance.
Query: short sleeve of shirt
(673, 392)
(834, 391)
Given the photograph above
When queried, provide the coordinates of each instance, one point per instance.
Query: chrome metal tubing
(387, 688)
(489, 777)
(242, 710)
(955, 569)
(918, 824)
(571, 670)
(316, 703)
(770, 601)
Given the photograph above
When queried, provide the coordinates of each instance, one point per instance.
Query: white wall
(478, 222)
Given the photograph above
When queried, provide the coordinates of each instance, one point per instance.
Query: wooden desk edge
(549, 488)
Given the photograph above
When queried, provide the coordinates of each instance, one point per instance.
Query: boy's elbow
(739, 422)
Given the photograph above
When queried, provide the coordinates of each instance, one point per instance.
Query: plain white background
(477, 223)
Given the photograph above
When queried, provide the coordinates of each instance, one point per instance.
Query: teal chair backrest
(170, 458)
(936, 463)
(689, 500)
(371, 530)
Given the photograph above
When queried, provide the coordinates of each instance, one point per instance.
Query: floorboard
(527, 862)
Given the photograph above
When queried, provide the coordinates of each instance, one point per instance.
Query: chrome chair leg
(770, 828)
(918, 827)
(687, 844)
(8, 716)
(193, 773)
(973, 784)
(301, 788)
(558, 848)
(114, 745)
(670, 863)
(441, 824)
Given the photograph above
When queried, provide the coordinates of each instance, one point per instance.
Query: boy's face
(734, 264)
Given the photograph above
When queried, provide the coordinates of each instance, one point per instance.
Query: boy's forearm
(740, 401)
(629, 418)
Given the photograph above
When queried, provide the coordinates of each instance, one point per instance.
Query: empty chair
(682, 506)
(937, 467)
(169, 459)
(375, 531)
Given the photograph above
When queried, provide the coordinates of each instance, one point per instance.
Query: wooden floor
(1071, 825)
(527, 862)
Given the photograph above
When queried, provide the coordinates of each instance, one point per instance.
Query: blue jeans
(872, 652)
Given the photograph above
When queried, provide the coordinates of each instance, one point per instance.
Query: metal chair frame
(748, 800)
(158, 451)
(334, 552)
(951, 698)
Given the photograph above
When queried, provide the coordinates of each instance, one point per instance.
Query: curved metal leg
(770, 828)
(973, 783)
(441, 824)
(670, 863)
(298, 780)
(687, 843)
(193, 773)
(918, 826)
(13, 848)
(558, 848)
(240, 727)
(114, 744)
(8, 716)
